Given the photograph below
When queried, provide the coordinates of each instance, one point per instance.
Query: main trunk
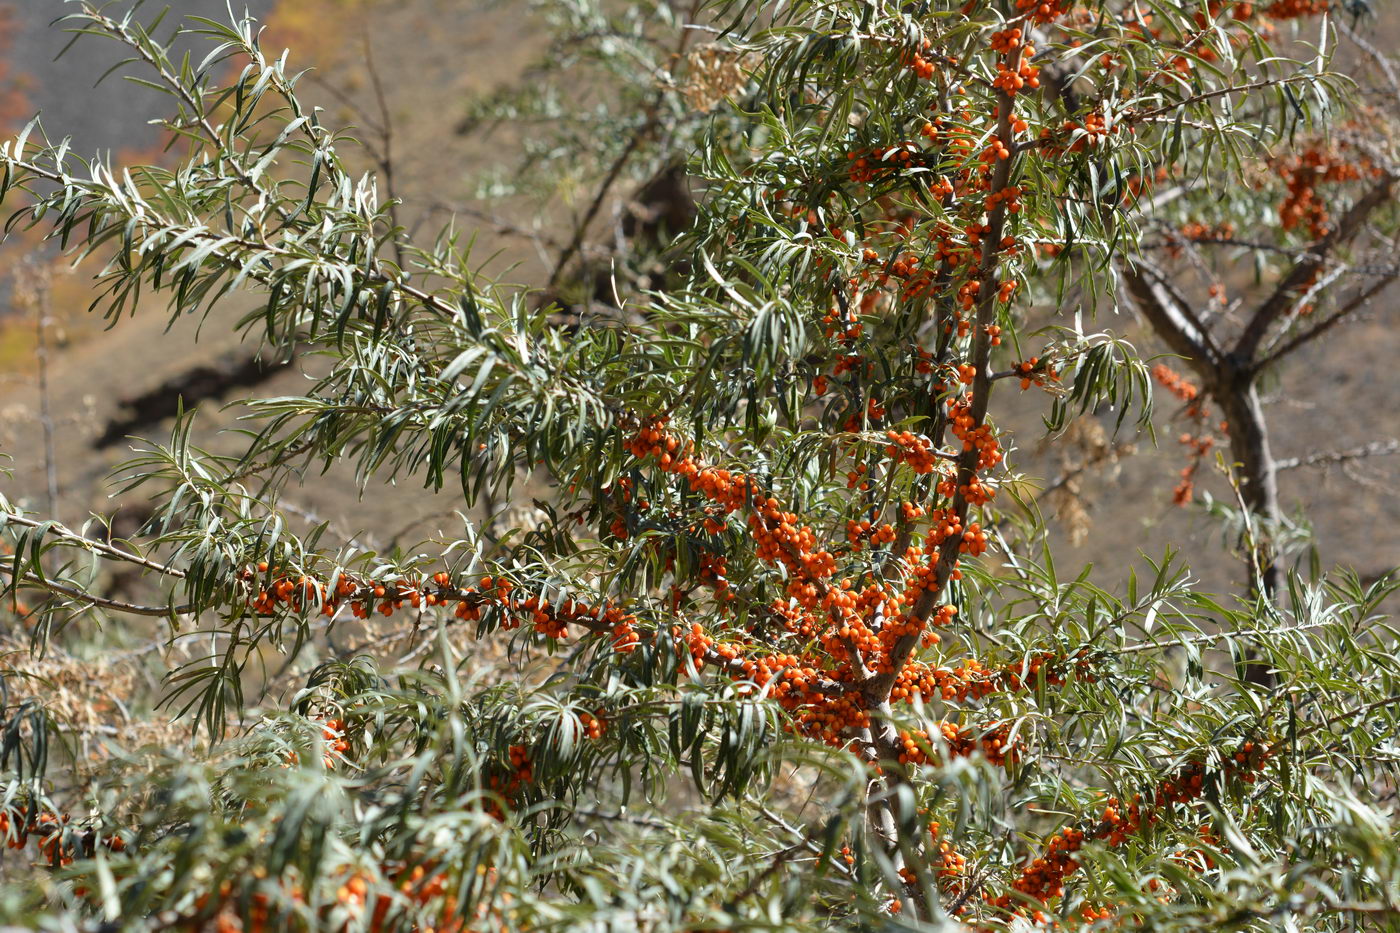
(1258, 478)
(1249, 446)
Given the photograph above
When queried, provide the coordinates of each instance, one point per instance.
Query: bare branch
(116, 605)
(1328, 457)
(58, 530)
(1357, 302)
(1382, 60)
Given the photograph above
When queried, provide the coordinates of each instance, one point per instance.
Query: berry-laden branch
(1043, 877)
(365, 598)
(55, 835)
(979, 448)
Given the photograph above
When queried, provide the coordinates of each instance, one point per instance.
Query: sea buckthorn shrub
(787, 649)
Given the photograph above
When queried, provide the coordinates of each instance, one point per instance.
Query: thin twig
(385, 154)
(59, 530)
(1357, 301)
(1328, 457)
(32, 580)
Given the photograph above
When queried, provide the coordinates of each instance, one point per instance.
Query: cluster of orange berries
(1091, 131)
(858, 532)
(850, 363)
(856, 629)
(794, 682)
(970, 679)
(941, 188)
(594, 725)
(1090, 914)
(996, 151)
(780, 539)
(980, 438)
(951, 863)
(520, 763)
(931, 128)
(953, 685)
(1213, 10)
(870, 164)
(995, 744)
(830, 719)
(1198, 445)
(700, 644)
(1044, 877)
(1302, 173)
(953, 247)
(916, 743)
(1197, 859)
(923, 360)
(1005, 41)
(848, 331)
(1051, 666)
(712, 573)
(974, 491)
(1016, 73)
(905, 266)
(1034, 373)
(364, 596)
(922, 67)
(419, 885)
(58, 845)
(621, 491)
(947, 249)
(967, 294)
(914, 449)
(974, 540)
(1195, 230)
(921, 578)
(1010, 196)
(1175, 383)
(1295, 9)
(1044, 11)
(847, 334)
(333, 734)
(510, 779)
